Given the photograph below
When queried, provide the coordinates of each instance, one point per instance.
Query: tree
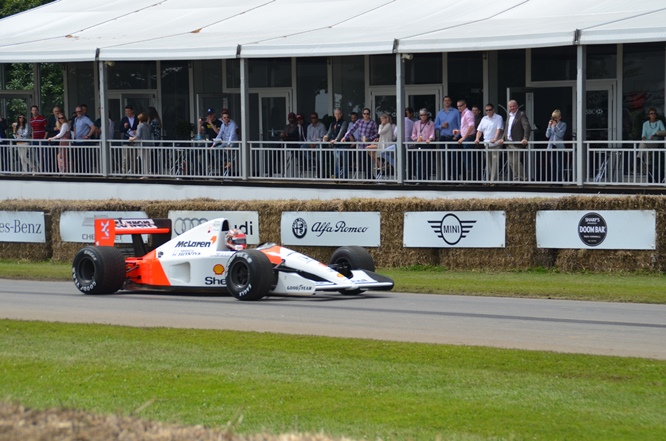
(11, 7)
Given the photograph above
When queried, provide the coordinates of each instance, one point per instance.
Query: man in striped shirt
(38, 126)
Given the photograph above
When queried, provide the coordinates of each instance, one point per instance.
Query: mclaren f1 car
(213, 258)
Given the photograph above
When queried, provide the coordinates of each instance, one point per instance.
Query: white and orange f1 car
(200, 260)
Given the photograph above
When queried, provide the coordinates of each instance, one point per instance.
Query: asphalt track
(622, 329)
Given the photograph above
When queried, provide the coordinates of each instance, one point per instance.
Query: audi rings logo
(299, 227)
(183, 224)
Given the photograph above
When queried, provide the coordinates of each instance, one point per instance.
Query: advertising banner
(454, 229)
(330, 228)
(603, 230)
(79, 226)
(246, 221)
(22, 226)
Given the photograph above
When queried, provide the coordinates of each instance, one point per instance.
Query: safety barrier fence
(605, 162)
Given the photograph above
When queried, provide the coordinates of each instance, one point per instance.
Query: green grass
(637, 288)
(345, 387)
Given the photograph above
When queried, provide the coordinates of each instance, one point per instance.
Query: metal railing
(606, 163)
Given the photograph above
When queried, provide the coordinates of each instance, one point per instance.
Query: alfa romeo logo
(300, 228)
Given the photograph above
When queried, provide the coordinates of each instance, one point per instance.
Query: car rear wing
(106, 231)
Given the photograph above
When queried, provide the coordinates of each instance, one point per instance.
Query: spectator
(651, 129)
(385, 138)
(515, 138)
(353, 117)
(316, 131)
(227, 138)
(128, 124)
(51, 131)
(446, 121)
(423, 133)
(466, 134)
(555, 134)
(489, 131)
(38, 127)
(64, 134)
(84, 130)
(142, 135)
(388, 153)
(110, 126)
(366, 130)
(21, 129)
(478, 116)
(335, 134)
(210, 127)
(155, 123)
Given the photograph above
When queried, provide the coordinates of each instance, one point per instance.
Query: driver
(236, 240)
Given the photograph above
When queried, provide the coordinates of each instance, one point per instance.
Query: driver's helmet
(236, 240)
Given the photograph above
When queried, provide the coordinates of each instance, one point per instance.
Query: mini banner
(79, 226)
(22, 226)
(603, 230)
(330, 228)
(454, 229)
(246, 221)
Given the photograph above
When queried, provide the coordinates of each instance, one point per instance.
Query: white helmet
(236, 240)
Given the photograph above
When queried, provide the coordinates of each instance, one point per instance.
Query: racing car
(213, 258)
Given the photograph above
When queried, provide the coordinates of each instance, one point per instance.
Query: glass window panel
(233, 73)
(16, 76)
(348, 84)
(602, 62)
(466, 77)
(643, 86)
(554, 63)
(127, 75)
(382, 70)
(53, 88)
(207, 76)
(423, 69)
(81, 85)
(312, 80)
(175, 100)
(270, 72)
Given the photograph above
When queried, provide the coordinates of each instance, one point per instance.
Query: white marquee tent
(124, 30)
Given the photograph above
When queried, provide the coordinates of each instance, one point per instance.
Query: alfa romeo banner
(330, 228)
(603, 230)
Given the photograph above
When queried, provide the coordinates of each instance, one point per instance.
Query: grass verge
(637, 288)
(345, 387)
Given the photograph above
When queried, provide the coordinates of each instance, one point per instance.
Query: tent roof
(124, 30)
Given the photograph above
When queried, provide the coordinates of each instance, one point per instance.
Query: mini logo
(592, 229)
(299, 227)
(451, 229)
(218, 269)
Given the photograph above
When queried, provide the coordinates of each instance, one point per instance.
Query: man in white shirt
(490, 127)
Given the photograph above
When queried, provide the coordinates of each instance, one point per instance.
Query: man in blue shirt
(446, 121)
(228, 139)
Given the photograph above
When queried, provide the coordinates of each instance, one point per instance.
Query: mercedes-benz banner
(22, 226)
(603, 230)
(454, 229)
(330, 228)
(246, 221)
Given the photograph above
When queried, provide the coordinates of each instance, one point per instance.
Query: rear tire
(346, 259)
(249, 275)
(99, 270)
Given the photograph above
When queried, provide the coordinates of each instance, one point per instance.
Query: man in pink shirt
(466, 140)
(423, 133)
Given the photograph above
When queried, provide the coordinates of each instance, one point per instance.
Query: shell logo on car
(218, 269)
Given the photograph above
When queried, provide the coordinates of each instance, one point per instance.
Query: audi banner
(601, 230)
(454, 229)
(330, 228)
(246, 221)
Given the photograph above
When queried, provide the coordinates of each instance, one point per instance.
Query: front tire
(249, 275)
(99, 270)
(346, 259)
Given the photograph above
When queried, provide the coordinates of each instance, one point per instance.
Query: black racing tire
(249, 275)
(99, 270)
(345, 259)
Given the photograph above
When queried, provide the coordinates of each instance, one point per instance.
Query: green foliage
(364, 389)
(11, 7)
